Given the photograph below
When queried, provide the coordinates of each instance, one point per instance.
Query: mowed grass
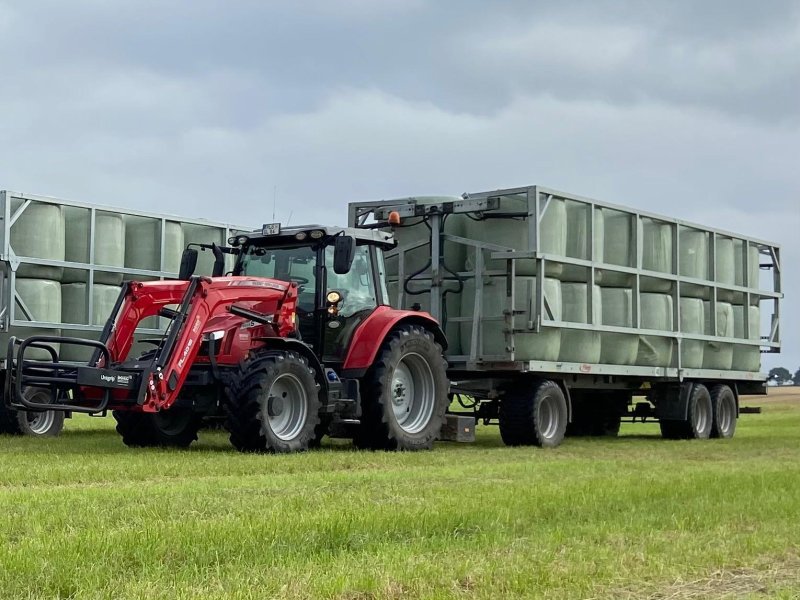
(85, 517)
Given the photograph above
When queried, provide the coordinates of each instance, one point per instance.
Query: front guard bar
(61, 378)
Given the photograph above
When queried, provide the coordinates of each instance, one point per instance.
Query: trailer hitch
(65, 380)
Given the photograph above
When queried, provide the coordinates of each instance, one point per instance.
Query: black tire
(48, 423)
(534, 415)
(274, 404)
(699, 420)
(174, 428)
(404, 394)
(723, 406)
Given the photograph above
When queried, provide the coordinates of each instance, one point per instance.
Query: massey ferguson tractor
(298, 341)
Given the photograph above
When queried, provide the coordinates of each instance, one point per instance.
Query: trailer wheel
(48, 423)
(404, 393)
(534, 416)
(699, 420)
(274, 404)
(723, 403)
(175, 428)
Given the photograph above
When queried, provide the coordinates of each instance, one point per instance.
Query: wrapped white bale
(656, 313)
(513, 232)
(693, 253)
(656, 254)
(452, 329)
(73, 311)
(752, 268)
(725, 261)
(580, 346)
(578, 240)
(618, 348)
(618, 248)
(692, 321)
(109, 244)
(719, 355)
(746, 358)
(38, 233)
(413, 231)
(143, 245)
(544, 345)
(43, 298)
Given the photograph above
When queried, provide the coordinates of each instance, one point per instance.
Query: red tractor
(298, 341)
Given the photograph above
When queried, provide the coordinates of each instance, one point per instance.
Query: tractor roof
(290, 235)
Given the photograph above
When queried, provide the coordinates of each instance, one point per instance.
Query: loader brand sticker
(196, 326)
(117, 379)
(252, 283)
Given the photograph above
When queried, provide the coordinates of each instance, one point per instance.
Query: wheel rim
(412, 392)
(41, 422)
(702, 417)
(287, 407)
(548, 417)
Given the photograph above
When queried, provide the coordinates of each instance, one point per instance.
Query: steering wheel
(299, 280)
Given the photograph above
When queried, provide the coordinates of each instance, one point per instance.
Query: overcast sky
(205, 109)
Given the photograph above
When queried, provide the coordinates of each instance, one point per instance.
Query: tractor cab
(339, 273)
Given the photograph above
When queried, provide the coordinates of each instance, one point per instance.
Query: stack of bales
(143, 244)
(656, 305)
(694, 261)
(37, 233)
(514, 233)
(746, 357)
(109, 250)
(417, 261)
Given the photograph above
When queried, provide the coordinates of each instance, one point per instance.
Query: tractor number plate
(271, 229)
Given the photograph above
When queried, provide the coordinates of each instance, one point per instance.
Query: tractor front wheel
(176, 427)
(274, 404)
(404, 393)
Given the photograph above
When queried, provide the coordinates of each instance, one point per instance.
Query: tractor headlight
(333, 297)
(317, 234)
(300, 236)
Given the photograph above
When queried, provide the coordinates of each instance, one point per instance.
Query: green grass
(636, 516)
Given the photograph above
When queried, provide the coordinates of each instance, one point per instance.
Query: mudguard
(368, 338)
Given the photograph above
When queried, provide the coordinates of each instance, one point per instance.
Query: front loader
(298, 341)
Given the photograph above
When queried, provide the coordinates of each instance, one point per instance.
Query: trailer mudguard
(368, 338)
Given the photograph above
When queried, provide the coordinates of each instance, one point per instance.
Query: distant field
(632, 517)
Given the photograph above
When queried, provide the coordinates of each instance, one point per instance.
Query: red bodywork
(207, 312)
(369, 336)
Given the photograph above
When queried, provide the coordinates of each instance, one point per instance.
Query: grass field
(636, 516)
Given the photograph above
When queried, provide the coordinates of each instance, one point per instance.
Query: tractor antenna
(274, 201)
(290, 218)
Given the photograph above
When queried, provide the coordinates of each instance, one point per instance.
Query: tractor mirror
(219, 261)
(188, 264)
(344, 251)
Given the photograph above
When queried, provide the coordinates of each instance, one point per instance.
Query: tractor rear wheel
(48, 423)
(274, 404)
(176, 427)
(404, 394)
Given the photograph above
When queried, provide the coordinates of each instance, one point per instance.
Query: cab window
(357, 286)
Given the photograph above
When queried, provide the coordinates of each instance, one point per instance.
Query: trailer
(63, 263)
(566, 315)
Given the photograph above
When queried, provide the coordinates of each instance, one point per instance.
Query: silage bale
(544, 345)
(753, 268)
(719, 355)
(692, 321)
(43, 299)
(38, 233)
(656, 254)
(694, 259)
(109, 244)
(514, 233)
(745, 357)
(576, 345)
(618, 348)
(656, 314)
(73, 311)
